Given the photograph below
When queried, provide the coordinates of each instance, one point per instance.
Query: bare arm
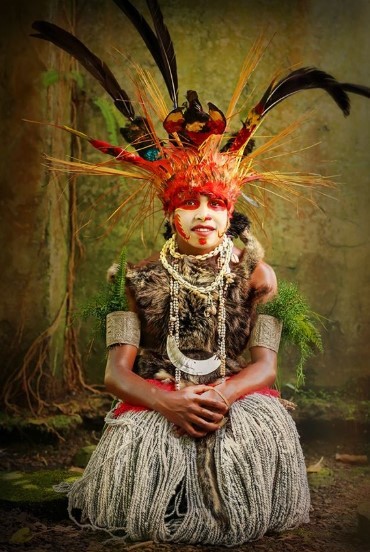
(188, 409)
(261, 371)
(264, 277)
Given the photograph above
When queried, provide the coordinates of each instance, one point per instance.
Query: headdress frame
(195, 156)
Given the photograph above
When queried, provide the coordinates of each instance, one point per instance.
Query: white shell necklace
(219, 285)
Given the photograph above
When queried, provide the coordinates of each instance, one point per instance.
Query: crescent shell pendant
(190, 365)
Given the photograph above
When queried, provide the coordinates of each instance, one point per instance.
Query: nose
(202, 212)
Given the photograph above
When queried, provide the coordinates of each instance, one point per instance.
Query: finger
(203, 424)
(198, 389)
(209, 415)
(191, 430)
(196, 432)
(213, 404)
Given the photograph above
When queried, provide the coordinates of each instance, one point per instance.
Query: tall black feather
(160, 46)
(167, 50)
(144, 29)
(304, 79)
(356, 89)
(94, 65)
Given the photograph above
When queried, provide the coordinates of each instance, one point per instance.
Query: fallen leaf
(139, 545)
(21, 536)
(351, 458)
(76, 469)
(42, 459)
(315, 468)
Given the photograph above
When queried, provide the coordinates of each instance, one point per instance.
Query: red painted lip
(203, 227)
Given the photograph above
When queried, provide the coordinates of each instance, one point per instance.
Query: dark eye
(188, 203)
(217, 203)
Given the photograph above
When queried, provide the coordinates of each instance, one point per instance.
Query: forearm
(127, 386)
(261, 372)
(186, 408)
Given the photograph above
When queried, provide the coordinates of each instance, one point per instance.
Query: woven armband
(123, 327)
(266, 332)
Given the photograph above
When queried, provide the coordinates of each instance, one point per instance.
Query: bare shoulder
(264, 277)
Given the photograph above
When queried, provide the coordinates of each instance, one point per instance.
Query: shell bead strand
(218, 286)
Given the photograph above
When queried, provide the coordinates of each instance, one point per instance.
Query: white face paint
(200, 222)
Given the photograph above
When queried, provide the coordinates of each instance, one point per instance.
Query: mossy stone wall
(324, 249)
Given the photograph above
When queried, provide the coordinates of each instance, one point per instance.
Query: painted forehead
(186, 194)
(198, 195)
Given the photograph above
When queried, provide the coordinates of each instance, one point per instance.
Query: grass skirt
(143, 482)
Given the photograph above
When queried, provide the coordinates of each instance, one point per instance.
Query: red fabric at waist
(122, 407)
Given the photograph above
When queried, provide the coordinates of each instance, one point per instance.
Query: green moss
(331, 406)
(65, 422)
(35, 487)
(61, 423)
(323, 478)
(302, 532)
(344, 474)
(82, 456)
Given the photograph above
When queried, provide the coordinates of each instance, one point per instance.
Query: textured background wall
(34, 206)
(325, 250)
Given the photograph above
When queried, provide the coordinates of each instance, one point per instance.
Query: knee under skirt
(144, 482)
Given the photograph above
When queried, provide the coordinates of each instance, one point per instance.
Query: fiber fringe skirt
(143, 482)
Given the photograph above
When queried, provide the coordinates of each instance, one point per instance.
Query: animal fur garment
(198, 339)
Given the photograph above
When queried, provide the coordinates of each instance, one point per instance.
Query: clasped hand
(195, 410)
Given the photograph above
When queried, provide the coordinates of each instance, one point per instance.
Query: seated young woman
(198, 448)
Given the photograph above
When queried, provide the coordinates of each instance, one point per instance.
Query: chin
(201, 245)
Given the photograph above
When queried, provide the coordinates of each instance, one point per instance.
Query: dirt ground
(333, 526)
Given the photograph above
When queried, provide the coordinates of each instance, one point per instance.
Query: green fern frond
(112, 297)
(106, 109)
(299, 323)
(121, 278)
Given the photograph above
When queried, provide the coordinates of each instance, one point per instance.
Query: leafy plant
(111, 298)
(299, 323)
(50, 77)
(108, 112)
(78, 78)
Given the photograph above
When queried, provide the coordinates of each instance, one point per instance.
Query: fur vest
(198, 333)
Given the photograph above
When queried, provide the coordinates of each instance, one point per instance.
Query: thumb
(198, 389)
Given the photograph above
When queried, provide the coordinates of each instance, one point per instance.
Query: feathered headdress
(199, 155)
